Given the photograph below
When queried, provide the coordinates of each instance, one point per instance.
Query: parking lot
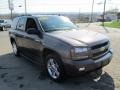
(20, 74)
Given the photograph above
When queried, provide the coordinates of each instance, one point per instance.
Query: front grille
(98, 54)
(99, 45)
(99, 50)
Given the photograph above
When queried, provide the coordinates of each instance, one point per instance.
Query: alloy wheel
(53, 68)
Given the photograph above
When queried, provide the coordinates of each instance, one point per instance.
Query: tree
(112, 11)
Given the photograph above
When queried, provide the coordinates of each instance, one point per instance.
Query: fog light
(82, 69)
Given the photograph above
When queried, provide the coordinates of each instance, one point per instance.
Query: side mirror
(34, 31)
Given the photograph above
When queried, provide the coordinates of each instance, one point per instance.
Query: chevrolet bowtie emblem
(102, 49)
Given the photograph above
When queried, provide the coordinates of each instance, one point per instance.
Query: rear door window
(14, 23)
(21, 24)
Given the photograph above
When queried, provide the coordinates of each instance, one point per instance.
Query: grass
(113, 24)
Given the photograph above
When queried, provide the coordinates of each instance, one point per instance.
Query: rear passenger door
(20, 32)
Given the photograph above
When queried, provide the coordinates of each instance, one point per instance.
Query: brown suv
(59, 46)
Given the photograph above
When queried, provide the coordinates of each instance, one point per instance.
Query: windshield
(55, 23)
(1, 21)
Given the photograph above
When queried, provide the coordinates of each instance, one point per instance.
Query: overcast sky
(58, 5)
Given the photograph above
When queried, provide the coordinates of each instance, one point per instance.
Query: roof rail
(26, 15)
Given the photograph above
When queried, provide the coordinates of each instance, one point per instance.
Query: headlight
(79, 53)
(80, 50)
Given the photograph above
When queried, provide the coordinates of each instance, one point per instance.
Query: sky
(36, 6)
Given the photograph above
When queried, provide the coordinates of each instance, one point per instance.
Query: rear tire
(15, 49)
(54, 67)
(1, 29)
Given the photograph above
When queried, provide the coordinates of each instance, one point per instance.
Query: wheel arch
(47, 51)
(59, 61)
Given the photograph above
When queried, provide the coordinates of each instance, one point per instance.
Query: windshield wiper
(50, 30)
(59, 29)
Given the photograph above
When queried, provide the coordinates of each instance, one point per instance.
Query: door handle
(37, 40)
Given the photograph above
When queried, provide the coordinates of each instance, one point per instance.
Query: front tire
(54, 67)
(15, 49)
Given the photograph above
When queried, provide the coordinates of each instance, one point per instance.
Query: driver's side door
(32, 42)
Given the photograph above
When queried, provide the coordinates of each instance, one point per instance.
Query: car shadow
(14, 69)
(105, 82)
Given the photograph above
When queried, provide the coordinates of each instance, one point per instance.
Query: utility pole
(25, 8)
(79, 12)
(91, 19)
(104, 13)
(11, 7)
(79, 16)
(11, 15)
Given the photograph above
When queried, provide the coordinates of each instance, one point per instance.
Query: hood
(80, 37)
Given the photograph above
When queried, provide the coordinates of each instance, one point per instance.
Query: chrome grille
(99, 50)
(99, 45)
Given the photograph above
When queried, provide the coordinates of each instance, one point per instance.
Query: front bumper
(81, 66)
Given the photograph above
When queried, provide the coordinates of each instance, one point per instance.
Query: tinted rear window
(1, 21)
